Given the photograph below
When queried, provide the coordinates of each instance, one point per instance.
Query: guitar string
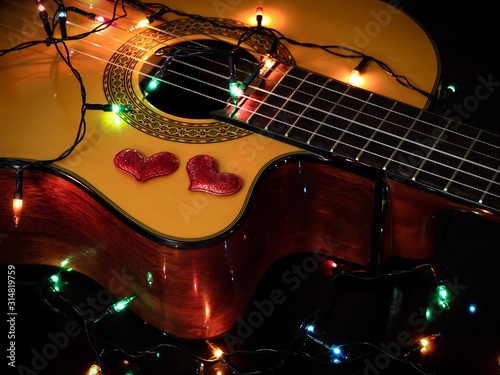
(375, 154)
(410, 166)
(353, 97)
(443, 138)
(424, 160)
(441, 177)
(343, 143)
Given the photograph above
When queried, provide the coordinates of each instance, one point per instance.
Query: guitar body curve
(197, 291)
(192, 259)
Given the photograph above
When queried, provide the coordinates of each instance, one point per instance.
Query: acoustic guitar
(225, 186)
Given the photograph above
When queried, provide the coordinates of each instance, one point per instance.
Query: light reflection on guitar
(205, 253)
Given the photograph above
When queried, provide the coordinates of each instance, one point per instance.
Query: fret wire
(410, 166)
(462, 161)
(292, 126)
(353, 97)
(375, 132)
(403, 114)
(350, 124)
(401, 142)
(392, 135)
(305, 107)
(327, 114)
(433, 148)
(409, 117)
(361, 124)
(312, 120)
(287, 100)
(262, 102)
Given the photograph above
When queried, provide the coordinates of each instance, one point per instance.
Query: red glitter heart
(143, 168)
(203, 176)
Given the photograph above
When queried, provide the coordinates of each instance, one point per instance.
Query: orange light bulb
(17, 206)
(94, 370)
(355, 79)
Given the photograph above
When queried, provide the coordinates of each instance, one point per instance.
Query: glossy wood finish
(40, 107)
(329, 117)
(197, 291)
(412, 217)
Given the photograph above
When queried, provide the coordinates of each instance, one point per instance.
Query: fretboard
(331, 118)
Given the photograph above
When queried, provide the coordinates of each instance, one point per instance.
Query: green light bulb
(443, 293)
(153, 84)
(121, 305)
(55, 282)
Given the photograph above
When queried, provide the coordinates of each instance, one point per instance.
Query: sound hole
(195, 81)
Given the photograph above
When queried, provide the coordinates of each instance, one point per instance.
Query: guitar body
(194, 259)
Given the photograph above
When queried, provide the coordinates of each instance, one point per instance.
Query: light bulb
(121, 305)
(355, 78)
(116, 108)
(266, 63)
(94, 370)
(140, 25)
(17, 206)
(235, 91)
(259, 16)
(217, 352)
(17, 203)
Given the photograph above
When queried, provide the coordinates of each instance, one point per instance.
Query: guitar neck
(331, 118)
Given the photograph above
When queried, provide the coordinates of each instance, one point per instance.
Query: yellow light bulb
(267, 64)
(355, 78)
(424, 345)
(215, 349)
(94, 370)
(140, 25)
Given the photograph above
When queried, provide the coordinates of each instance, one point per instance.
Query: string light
(234, 90)
(152, 86)
(355, 78)
(472, 308)
(267, 64)
(61, 16)
(217, 352)
(425, 343)
(117, 307)
(259, 16)
(141, 24)
(122, 305)
(310, 328)
(90, 16)
(443, 297)
(44, 16)
(55, 280)
(116, 108)
(337, 355)
(17, 203)
(94, 370)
